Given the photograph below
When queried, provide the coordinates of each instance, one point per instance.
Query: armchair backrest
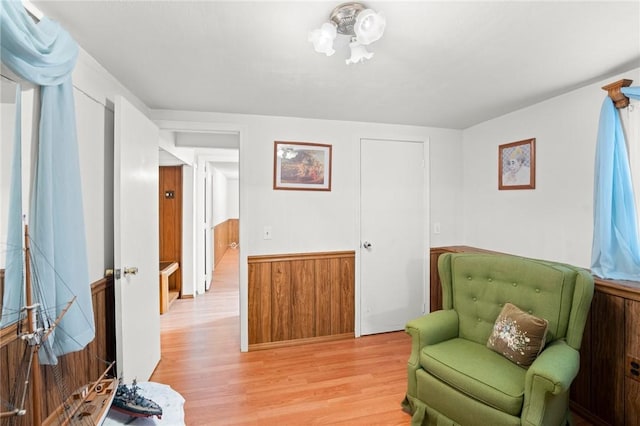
(477, 285)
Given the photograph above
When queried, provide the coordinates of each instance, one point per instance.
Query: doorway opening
(211, 206)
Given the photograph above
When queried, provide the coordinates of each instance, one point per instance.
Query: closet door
(394, 241)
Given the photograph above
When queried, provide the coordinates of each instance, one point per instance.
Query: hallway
(355, 382)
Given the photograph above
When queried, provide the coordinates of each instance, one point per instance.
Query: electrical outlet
(266, 233)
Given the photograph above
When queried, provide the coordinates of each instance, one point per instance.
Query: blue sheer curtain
(616, 242)
(44, 54)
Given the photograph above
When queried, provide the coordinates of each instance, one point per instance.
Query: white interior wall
(188, 231)
(7, 120)
(630, 117)
(94, 91)
(233, 198)
(555, 220)
(95, 128)
(309, 221)
(218, 197)
(30, 106)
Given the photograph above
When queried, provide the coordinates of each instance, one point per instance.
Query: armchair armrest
(426, 330)
(551, 373)
(433, 328)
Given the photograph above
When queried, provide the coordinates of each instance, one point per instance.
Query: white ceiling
(445, 64)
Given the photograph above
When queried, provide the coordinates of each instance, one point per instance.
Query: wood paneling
(260, 303)
(303, 299)
(77, 368)
(607, 358)
(220, 241)
(300, 297)
(170, 196)
(224, 234)
(280, 301)
(604, 391)
(632, 380)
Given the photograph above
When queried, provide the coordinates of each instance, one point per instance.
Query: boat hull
(85, 406)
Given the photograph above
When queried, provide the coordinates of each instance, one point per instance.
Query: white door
(136, 242)
(394, 244)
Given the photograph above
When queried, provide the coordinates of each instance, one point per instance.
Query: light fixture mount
(344, 16)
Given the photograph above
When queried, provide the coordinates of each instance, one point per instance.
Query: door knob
(132, 270)
(366, 245)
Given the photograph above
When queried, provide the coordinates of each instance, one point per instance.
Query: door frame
(241, 130)
(426, 228)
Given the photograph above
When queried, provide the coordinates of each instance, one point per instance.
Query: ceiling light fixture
(353, 19)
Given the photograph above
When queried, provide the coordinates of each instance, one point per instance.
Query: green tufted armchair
(455, 379)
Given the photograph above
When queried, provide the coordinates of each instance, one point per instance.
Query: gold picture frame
(302, 166)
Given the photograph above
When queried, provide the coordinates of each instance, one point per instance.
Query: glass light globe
(369, 26)
(358, 53)
(323, 37)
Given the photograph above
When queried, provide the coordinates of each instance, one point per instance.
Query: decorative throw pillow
(517, 335)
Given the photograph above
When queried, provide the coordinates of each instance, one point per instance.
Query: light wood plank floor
(354, 382)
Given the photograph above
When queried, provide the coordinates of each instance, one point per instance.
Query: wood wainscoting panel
(220, 241)
(224, 234)
(78, 368)
(632, 377)
(295, 298)
(346, 285)
(325, 316)
(234, 231)
(607, 365)
(303, 301)
(260, 303)
(280, 301)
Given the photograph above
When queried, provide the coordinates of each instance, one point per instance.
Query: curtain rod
(33, 10)
(618, 98)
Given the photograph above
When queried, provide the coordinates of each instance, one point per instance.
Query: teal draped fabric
(45, 54)
(616, 242)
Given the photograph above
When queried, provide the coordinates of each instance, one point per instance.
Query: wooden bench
(167, 295)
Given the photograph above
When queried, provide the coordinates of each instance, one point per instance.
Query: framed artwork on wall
(517, 165)
(301, 166)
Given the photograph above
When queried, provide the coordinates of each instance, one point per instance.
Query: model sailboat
(87, 405)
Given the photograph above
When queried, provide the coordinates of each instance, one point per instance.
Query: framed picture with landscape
(517, 165)
(302, 166)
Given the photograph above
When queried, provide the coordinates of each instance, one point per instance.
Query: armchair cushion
(517, 335)
(482, 374)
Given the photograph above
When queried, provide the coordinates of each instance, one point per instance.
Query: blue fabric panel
(631, 92)
(45, 54)
(616, 248)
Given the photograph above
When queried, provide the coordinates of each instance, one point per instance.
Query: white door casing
(136, 242)
(394, 242)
